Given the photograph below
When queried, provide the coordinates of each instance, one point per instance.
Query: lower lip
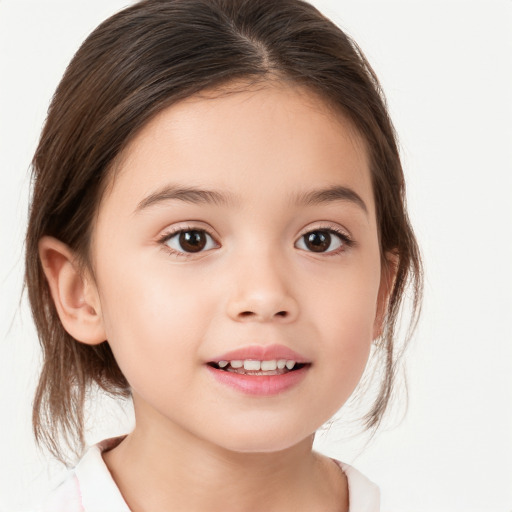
(261, 385)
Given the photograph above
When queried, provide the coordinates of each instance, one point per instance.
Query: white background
(446, 68)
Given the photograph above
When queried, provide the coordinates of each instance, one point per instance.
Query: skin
(199, 445)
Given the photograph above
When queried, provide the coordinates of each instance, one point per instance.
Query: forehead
(258, 139)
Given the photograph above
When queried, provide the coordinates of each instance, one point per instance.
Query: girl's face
(240, 227)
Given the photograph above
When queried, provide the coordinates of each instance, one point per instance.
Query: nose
(261, 292)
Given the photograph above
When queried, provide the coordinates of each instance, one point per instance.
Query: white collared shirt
(89, 487)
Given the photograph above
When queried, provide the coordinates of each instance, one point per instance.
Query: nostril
(252, 314)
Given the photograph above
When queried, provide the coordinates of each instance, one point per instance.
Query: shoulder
(65, 498)
(363, 494)
(89, 487)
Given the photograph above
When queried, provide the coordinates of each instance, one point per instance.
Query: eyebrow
(192, 195)
(329, 195)
(196, 195)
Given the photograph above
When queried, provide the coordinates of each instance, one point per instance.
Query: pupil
(318, 241)
(192, 241)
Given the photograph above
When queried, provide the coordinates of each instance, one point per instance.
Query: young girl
(218, 231)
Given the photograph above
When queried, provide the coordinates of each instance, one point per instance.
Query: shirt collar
(98, 489)
(100, 492)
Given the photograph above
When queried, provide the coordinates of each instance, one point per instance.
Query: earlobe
(74, 293)
(387, 282)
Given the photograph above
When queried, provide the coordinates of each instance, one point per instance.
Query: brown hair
(135, 64)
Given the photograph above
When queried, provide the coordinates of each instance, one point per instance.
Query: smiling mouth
(258, 368)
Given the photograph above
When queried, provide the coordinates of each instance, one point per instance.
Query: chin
(264, 441)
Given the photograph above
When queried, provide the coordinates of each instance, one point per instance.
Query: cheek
(150, 316)
(345, 319)
(346, 300)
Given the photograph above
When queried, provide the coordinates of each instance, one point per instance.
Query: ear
(74, 292)
(387, 281)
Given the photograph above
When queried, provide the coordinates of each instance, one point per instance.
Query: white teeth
(252, 365)
(268, 365)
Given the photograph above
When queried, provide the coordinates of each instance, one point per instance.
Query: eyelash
(170, 234)
(347, 242)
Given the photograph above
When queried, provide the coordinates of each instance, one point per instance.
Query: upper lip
(262, 353)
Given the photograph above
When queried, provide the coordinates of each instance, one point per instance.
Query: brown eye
(318, 241)
(190, 241)
(321, 240)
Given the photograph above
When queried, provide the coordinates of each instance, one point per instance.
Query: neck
(168, 469)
